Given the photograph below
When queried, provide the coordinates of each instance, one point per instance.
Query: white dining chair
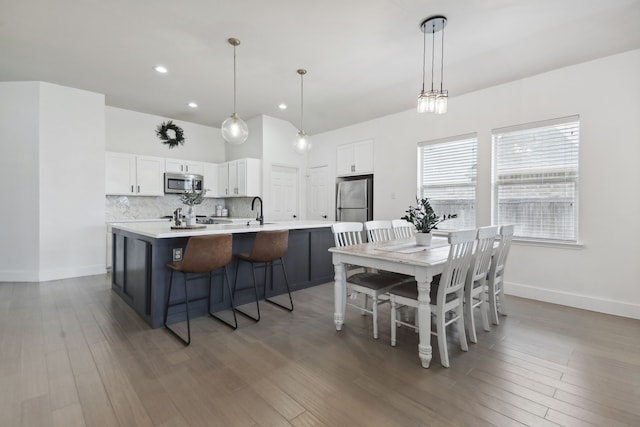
(475, 285)
(495, 279)
(447, 294)
(370, 284)
(378, 231)
(402, 229)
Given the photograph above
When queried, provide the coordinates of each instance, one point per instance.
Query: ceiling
(364, 57)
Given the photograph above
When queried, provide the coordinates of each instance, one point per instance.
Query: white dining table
(400, 256)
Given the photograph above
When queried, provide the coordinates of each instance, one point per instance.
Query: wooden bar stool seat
(202, 256)
(268, 248)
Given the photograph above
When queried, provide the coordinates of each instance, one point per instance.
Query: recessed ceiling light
(161, 69)
(192, 105)
(282, 106)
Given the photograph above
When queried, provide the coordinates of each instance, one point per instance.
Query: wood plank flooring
(73, 354)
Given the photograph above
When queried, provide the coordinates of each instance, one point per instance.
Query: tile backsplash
(132, 207)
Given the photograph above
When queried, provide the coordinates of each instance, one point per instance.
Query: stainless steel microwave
(181, 182)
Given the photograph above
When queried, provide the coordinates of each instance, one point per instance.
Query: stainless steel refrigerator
(354, 199)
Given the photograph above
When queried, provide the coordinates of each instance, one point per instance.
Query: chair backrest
(270, 245)
(458, 263)
(482, 254)
(499, 261)
(378, 231)
(402, 229)
(347, 233)
(206, 253)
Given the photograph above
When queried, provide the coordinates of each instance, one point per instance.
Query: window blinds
(535, 177)
(447, 176)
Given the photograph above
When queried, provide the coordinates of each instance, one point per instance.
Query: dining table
(399, 256)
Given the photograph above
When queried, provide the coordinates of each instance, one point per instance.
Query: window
(535, 179)
(447, 173)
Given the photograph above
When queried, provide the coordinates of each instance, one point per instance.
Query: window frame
(575, 180)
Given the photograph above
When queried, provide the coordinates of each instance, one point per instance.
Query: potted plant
(190, 198)
(424, 219)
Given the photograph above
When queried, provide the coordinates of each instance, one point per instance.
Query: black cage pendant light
(302, 142)
(433, 101)
(234, 129)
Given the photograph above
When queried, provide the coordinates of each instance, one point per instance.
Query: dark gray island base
(141, 278)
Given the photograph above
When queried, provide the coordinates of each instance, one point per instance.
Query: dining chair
(402, 229)
(378, 231)
(202, 256)
(370, 284)
(475, 285)
(495, 280)
(446, 296)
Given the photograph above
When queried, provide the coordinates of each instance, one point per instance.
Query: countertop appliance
(354, 198)
(181, 182)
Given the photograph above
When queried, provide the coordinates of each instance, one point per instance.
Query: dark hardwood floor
(72, 353)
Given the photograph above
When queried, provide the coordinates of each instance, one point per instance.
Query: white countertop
(162, 230)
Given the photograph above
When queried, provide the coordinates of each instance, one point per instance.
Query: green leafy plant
(423, 216)
(193, 197)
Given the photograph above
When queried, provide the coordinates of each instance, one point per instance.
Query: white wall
(603, 274)
(133, 132)
(52, 182)
(19, 192)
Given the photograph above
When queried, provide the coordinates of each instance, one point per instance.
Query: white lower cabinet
(131, 175)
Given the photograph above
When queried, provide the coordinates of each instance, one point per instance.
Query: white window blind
(447, 174)
(535, 179)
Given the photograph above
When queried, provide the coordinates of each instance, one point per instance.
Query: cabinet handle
(138, 188)
(132, 188)
(186, 168)
(324, 216)
(181, 168)
(295, 216)
(353, 168)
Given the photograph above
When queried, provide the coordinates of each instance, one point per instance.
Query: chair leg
(393, 321)
(502, 306)
(233, 325)
(255, 289)
(493, 309)
(483, 312)
(468, 313)
(374, 310)
(286, 282)
(186, 302)
(366, 304)
(441, 331)
(462, 336)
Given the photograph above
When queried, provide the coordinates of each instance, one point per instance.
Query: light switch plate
(177, 254)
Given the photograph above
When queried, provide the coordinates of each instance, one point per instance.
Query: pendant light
(302, 141)
(234, 129)
(434, 101)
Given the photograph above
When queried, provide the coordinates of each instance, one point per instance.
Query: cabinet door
(233, 178)
(241, 177)
(363, 157)
(210, 175)
(173, 165)
(345, 164)
(120, 171)
(223, 179)
(149, 174)
(194, 167)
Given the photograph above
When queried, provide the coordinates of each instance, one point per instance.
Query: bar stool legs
(286, 282)
(173, 304)
(233, 325)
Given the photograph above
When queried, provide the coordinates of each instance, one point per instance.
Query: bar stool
(268, 247)
(202, 256)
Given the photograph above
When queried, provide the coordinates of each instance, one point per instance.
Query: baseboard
(56, 274)
(584, 302)
(19, 276)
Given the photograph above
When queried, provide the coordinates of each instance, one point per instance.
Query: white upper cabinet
(131, 175)
(240, 178)
(183, 166)
(210, 173)
(355, 158)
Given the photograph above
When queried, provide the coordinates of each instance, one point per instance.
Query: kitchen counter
(162, 230)
(141, 251)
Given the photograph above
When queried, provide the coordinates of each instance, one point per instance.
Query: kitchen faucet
(261, 217)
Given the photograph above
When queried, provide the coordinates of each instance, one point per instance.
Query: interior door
(284, 193)
(318, 195)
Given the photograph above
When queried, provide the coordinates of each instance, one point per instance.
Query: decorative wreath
(170, 134)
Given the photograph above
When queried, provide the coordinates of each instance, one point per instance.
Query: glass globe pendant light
(234, 129)
(433, 101)
(302, 141)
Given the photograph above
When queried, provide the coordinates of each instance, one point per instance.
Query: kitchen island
(141, 252)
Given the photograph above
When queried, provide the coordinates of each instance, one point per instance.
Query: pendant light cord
(301, 101)
(442, 58)
(234, 79)
(433, 49)
(424, 54)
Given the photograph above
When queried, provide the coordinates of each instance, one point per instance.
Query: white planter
(423, 239)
